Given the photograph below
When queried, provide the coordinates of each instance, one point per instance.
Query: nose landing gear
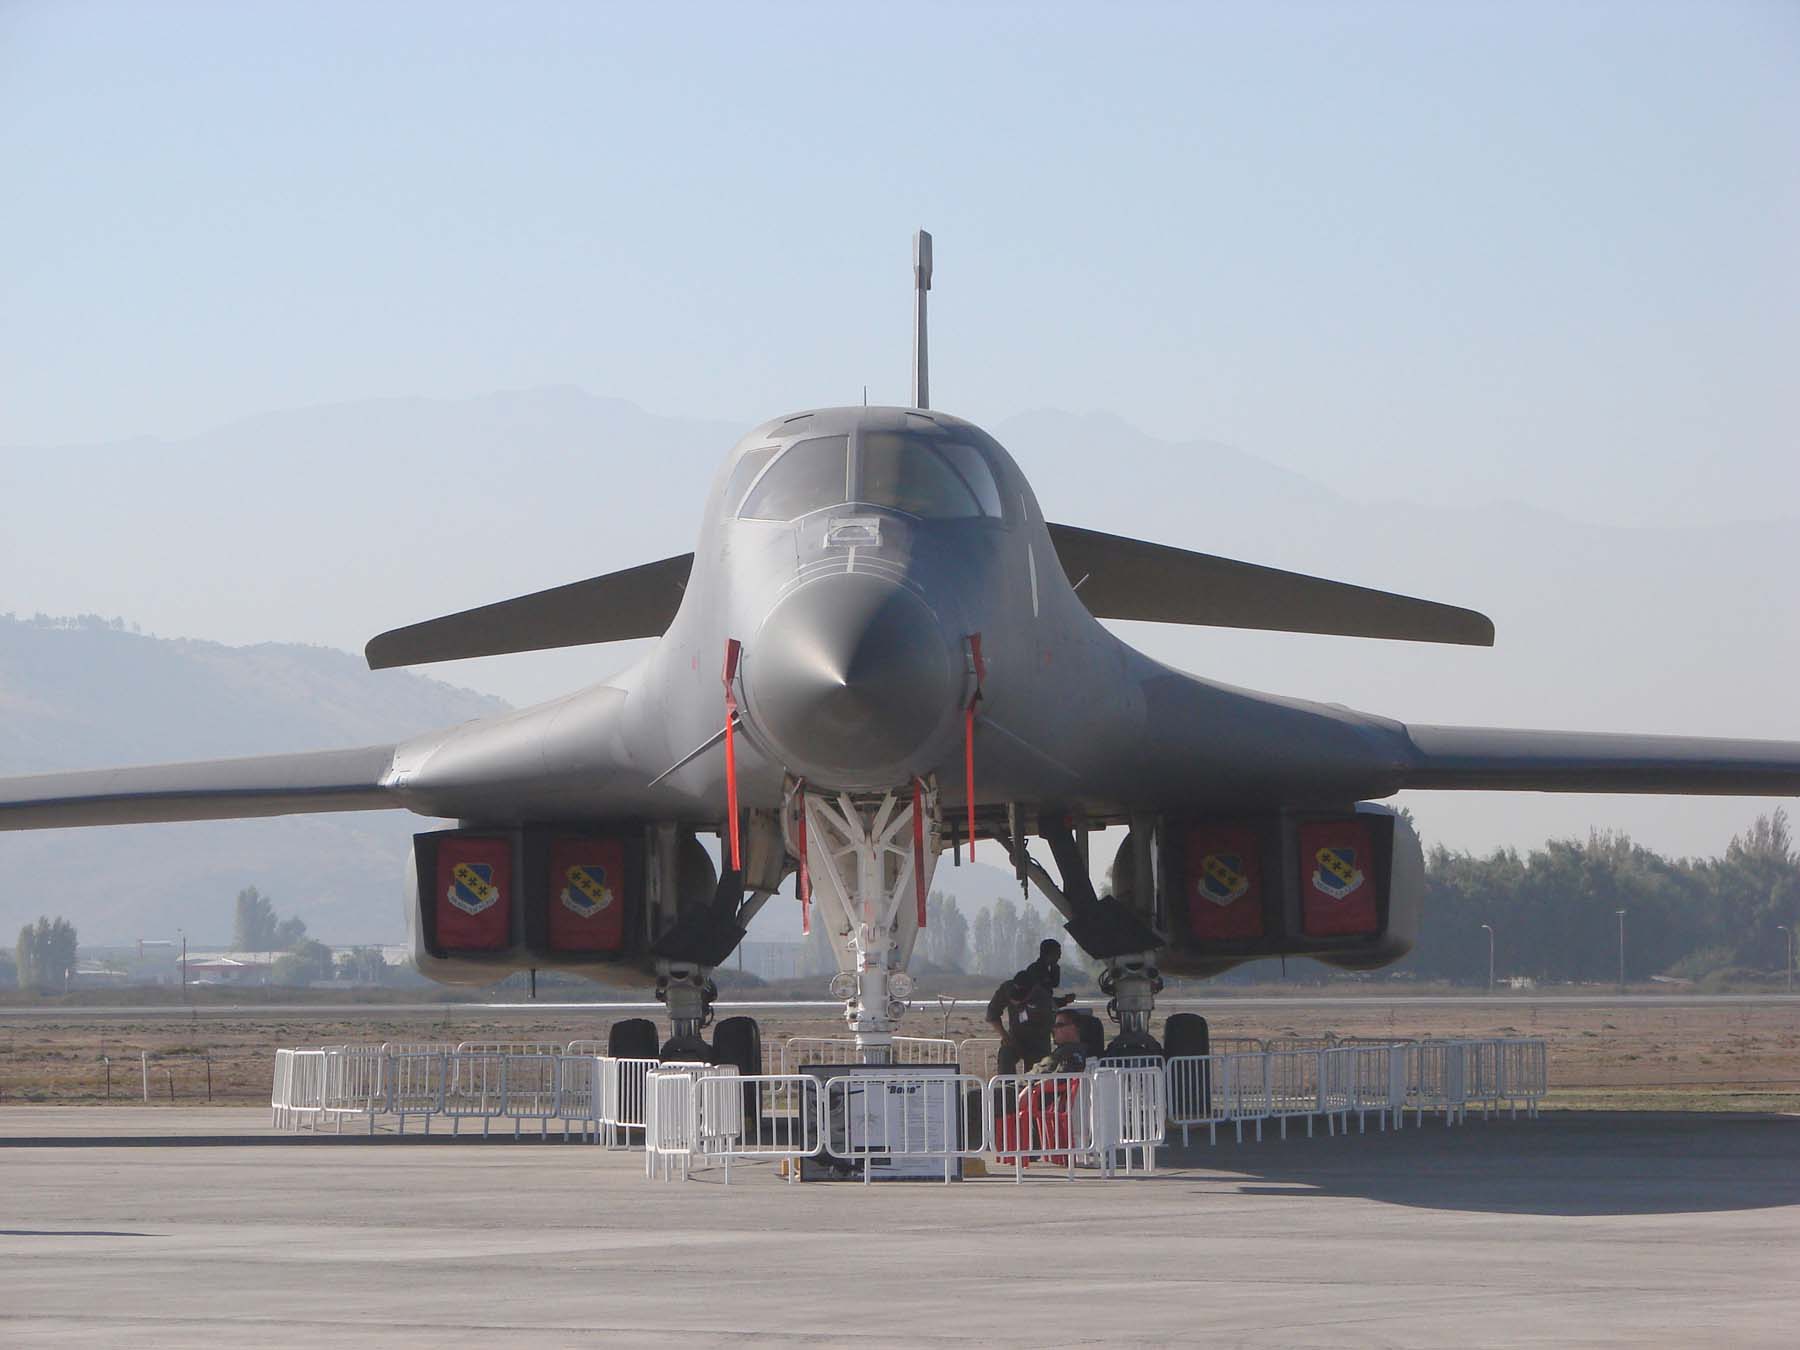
(870, 859)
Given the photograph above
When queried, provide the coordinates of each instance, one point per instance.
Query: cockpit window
(808, 476)
(924, 476)
(745, 474)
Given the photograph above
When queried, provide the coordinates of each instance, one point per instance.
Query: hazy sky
(1453, 254)
(1545, 252)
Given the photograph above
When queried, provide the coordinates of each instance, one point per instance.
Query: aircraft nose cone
(853, 679)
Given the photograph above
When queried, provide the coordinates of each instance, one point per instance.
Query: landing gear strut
(870, 860)
(1131, 984)
(688, 993)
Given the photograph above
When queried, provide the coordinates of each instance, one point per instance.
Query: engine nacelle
(1343, 887)
(587, 899)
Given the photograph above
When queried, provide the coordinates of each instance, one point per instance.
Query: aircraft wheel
(634, 1038)
(1187, 1034)
(738, 1041)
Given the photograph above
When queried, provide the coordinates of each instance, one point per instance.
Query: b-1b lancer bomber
(880, 651)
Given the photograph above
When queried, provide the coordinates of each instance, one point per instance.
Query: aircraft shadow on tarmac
(1588, 1165)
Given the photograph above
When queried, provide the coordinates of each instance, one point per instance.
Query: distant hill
(88, 695)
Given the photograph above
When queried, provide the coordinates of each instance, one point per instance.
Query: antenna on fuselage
(921, 384)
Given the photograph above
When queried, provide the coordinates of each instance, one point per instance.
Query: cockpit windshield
(937, 480)
(807, 476)
(925, 476)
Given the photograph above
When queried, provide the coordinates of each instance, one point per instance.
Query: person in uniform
(1066, 1053)
(1019, 1013)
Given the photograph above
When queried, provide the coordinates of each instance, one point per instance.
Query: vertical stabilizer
(921, 383)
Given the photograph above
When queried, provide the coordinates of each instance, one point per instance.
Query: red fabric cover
(474, 874)
(587, 895)
(1224, 861)
(1337, 879)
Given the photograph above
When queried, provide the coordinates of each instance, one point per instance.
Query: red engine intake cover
(473, 897)
(587, 895)
(1225, 883)
(1337, 880)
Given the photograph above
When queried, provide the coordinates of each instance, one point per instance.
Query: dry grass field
(1629, 1056)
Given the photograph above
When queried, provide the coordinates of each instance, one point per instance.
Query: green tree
(362, 965)
(289, 934)
(253, 928)
(945, 942)
(308, 961)
(45, 955)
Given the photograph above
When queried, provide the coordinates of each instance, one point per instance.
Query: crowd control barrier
(1354, 1078)
(895, 1122)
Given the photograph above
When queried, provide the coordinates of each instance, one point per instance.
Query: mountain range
(288, 539)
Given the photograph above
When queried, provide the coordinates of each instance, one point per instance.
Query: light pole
(1489, 929)
(183, 933)
(1621, 914)
(1783, 928)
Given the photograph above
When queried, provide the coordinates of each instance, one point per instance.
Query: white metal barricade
(594, 1048)
(282, 1089)
(305, 1089)
(416, 1079)
(1295, 1086)
(917, 1118)
(1524, 1074)
(623, 1094)
(474, 1088)
(1215, 1090)
(1434, 1079)
(979, 1055)
(731, 1125)
(529, 1089)
(1130, 1114)
(1481, 1075)
(355, 1083)
(578, 1094)
(1045, 1118)
(672, 1125)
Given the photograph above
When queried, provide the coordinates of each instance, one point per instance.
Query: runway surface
(1613, 1230)
(726, 1007)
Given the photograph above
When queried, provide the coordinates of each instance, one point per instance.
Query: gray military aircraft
(881, 651)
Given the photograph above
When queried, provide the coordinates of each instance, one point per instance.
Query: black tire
(634, 1038)
(1186, 1034)
(738, 1041)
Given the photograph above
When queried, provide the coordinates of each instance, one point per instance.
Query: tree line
(1554, 910)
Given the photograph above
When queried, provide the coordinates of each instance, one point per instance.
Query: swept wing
(219, 789)
(1498, 759)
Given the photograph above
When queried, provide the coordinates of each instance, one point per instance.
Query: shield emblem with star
(472, 888)
(1222, 878)
(586, 893)
(1336, 873)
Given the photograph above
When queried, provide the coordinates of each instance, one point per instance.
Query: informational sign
(903, 1118)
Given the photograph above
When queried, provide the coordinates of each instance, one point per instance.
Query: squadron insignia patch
(472, 887)
(1222, 878)
(1336, 874)
(587, 892)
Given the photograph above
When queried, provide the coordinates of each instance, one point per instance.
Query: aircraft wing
(219, 789)
(639, 602)
(1492, 758)
(1120, 578)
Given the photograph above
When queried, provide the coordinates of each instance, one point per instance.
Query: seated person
(1066, 1052)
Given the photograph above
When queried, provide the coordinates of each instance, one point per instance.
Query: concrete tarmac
(1604, 1229)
